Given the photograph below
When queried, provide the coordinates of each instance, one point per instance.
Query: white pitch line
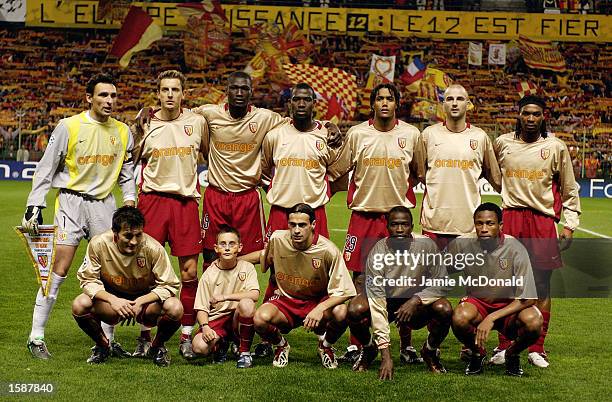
(594, 233)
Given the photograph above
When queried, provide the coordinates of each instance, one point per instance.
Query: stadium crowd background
(44, 71)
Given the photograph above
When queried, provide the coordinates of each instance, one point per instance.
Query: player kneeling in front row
(413, 304)
(313, 284)
(507, 304)
(225, 302)
(127, 275)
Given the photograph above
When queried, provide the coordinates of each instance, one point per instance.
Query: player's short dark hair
(239, 74)
(128, 216)
(227, 229)
(303, 85)
(171, 74)
(400, 209)
(302, 208)
(489, 206)
(392, 88)
(100, 78)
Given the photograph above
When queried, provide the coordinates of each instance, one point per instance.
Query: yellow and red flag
(137, 33)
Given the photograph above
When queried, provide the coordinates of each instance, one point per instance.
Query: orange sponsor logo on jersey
(389, 163)
(462, 164)
(528, 174)
(181, 152)
(103, 160)
(234, 147)
(298, 162)
(297, 280)
(122, 281)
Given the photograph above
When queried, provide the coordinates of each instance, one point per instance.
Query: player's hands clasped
(217, 299)
(32, 219)
(123, 307)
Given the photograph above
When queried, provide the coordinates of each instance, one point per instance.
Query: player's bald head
(454, 88)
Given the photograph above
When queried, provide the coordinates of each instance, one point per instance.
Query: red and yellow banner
(541, 55)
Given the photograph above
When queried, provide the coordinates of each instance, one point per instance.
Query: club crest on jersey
(316, 263)
(401, 142)
(503, 263)
(474, 144)
(140, 261)
(43, 260)
(188, 130)
(545, 153)
(242, 276)
(113, 140)
(320, 145)
(253, 127)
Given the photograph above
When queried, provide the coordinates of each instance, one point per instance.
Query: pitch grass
(579, 344)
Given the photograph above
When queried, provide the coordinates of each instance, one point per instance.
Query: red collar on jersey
(467, 125)
(154, 117)
(226, 107)
(318, 124)
(371, 122)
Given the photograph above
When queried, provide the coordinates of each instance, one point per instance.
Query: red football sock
(272, 335)
(246, 331)
(355, 341)
(166, 327)
(188, 294)
(91, 326)
(504, 342)
(539, 345)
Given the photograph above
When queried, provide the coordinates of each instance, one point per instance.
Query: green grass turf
(579, 346)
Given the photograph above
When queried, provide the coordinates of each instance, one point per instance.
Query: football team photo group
(227, 236)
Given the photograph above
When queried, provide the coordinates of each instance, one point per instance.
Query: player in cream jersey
(87, 155)
(237, 130)
(225, 302)
(313, 284)
(169, 191)
(385, 156)
(127, 276)
(501, 291)
(538, 188)
(410, 303)
(296, 157)
(458, 154)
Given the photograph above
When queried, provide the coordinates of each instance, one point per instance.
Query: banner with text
(403, 23)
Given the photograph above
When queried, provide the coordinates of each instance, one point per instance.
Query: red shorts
(503, 325)
(278, 221)
(243, 211)
(365, 229)
(224, 326)
(538, 233)
(271, 289)
(172, 219)
(295, 310)
(441, 240)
